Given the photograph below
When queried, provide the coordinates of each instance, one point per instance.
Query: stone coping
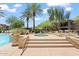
(73, 40)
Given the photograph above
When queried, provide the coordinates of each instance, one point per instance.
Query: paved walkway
(68, 51)
(8, 50)
(51, 52)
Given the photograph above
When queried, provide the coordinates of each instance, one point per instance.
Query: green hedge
(19, 30)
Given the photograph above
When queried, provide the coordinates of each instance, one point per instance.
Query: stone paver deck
(58, 51)
(51, 52)
(8, 50)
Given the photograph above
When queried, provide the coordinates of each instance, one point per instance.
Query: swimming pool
(4, 39)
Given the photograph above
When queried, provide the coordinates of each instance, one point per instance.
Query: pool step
(40, 43)
(48, 45)
(48, 42)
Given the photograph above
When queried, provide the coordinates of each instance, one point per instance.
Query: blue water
(4, 39)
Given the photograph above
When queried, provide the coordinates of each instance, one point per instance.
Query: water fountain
(41, 33)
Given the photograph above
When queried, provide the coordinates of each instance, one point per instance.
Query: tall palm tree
(59, 16)
(67, 16)
(26, 15)
(52, 17)
(35, 10)
(56, 15)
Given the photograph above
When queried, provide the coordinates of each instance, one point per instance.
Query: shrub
(15, 22)
(36, 30)
(0, 30)
(19, 30)
(77, 31)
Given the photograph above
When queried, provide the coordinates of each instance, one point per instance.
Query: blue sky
(12, 9)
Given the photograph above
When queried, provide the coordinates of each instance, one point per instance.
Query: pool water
(4, 39)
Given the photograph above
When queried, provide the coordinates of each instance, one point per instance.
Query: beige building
(4, 26)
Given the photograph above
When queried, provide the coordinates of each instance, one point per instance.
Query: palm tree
(26, 15)
(67, 16)
(56, 16)
(35, 10)
(51, 13)
(52, 17)
(59, 14)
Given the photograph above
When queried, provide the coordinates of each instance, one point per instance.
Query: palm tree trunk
(33, 20)
(27, 22)
(69, 25)
(58, 26)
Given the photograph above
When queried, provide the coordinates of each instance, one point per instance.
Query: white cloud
(58, 4)
(65, 5)
(6, 8)
(68, 8)
(37, 18)
(54, 4)
(17, 5)
(2, 17)
(12, 10)
(45, 10)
